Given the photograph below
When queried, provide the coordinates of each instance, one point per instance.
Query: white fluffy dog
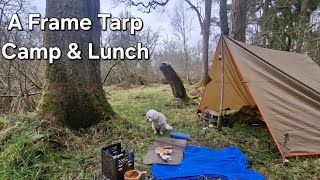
(158, 120)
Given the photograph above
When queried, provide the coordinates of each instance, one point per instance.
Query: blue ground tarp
(198, 162)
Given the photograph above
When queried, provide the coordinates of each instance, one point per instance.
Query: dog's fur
(158, 120)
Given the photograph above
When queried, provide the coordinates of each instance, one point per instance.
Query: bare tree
(129, 72)
(20, 81)
(146, 6)
(204, 21)
(181, 23)
(205, 24)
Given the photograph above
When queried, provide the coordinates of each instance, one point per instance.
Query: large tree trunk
(205, 41)
(239, 20)
(73, 95)
(304, 18)
(224, 17)
(174, 80)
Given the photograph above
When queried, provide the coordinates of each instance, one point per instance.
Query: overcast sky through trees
(157, 19)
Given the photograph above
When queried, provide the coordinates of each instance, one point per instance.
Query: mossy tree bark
(73, 95)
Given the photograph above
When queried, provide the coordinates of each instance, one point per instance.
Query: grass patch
(32, 149)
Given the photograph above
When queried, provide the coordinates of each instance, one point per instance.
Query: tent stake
(222, 87)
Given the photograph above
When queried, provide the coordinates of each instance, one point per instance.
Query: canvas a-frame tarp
(285, 86)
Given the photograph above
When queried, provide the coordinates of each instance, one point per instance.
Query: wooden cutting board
(179, 146)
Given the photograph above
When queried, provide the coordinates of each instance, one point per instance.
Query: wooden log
(174, 80)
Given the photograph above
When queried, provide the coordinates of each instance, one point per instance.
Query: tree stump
(174, 80)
